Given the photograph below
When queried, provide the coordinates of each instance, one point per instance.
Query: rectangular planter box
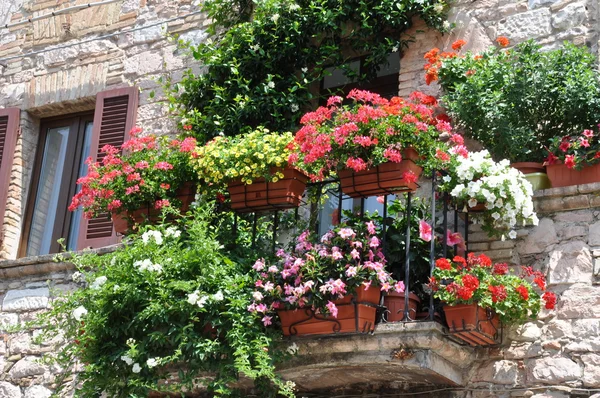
(471, 323)
(562, 176)
(268, 196)
(353, 316)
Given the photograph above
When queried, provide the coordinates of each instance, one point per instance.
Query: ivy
(265, 60)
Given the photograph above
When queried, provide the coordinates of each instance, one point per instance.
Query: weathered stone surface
(570, 263)
(539, 239)
(591, 370)
(554, 370)
(526, 332)
(8, 390)
(579, 301)
(23, 344)
(498, 372)
(8, 320)
(37, 392)
(27, 367)
(523, 350)
(557, 329)
(594, 236)
(25, 300)
(569, 16)
(528, 25)
(142, 64)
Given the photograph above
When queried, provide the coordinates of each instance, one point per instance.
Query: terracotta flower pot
(394, 302)
(383, 179)
(473, 324)
(123, 221)
(562, 176)
(529, 167)
(267, 196)
(355, 314)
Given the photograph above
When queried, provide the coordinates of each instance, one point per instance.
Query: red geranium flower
(498, 293)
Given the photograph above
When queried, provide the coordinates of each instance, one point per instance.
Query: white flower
(294, 7)
(395, 49)
(79, 313)
(77, 277)
(446, 25)
(136, 368)
(472, 202)
(116, 287)
(152, 362)
(193, 298)
(257, 296)
(218, 296)
(255, 47)
(294, 108)
(512, 234)
(172, 231)
(152, 234)
(438, 8)
(202, 301)
(97, 284)
(126, 359)
(271, 84)
(275, 17)
(304, 70)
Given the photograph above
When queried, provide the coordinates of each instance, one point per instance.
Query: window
(65, 143)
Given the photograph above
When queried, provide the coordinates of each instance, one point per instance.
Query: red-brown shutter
(114, 117)
(9, 131)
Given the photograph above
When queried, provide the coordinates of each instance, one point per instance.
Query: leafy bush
(514, 101)
(167, 306)
(269, 56)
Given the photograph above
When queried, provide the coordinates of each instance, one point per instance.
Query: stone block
(27, 367)
(569, 16)
(527, 332)
(591, 370)
(143, 63)
(8, 390)
(594, 234)
(497, 372)
(579, 301)
(570, 263)
(523, 350)
(556, 329)
(528, 25)
(23, 344)
(573, 231)
(8, 320)
(25, 300)
(539, 238)
(539, 3)
(554, 370)
(37, 392)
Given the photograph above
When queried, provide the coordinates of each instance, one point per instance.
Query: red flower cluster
(576, 150)
(498, 293)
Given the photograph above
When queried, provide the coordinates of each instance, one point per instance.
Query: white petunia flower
(172, 231)
(271, 84)
(202, 301)
(193, 298)
(218, 296)
(136, 368)
(152, 362)
(79, 313)
(512, 234)
(127, 359)
(97, 284)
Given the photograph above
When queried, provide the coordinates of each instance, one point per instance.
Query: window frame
(77, 122)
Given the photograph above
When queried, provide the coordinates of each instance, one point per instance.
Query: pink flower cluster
(316, 274)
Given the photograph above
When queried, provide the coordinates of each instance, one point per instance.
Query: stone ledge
(46, 264)
(417, 354)
(593, 188)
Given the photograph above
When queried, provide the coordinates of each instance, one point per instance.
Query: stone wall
(57, 65)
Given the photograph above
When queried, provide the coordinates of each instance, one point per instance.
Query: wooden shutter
(114, 117)
(9, 128)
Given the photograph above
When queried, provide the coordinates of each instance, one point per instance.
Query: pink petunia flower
(425, 231)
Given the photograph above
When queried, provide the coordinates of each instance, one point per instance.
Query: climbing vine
(265, 59)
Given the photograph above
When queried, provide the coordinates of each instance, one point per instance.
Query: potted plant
(134, 183)
(478, 295)
(255, 169)
(498, 195)
(330, 286)
(374, 145)
(513, 101)
(574, 159)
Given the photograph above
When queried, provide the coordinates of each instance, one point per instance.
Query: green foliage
(168, 303)
(266, 58)
(514, 101)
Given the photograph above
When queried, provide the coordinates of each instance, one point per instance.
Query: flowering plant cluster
(314, 275)
(370, 131)
(169, 302)
(575, 151)
(476, 280)
(148, 171)
(498, 195)
(515, 100)
(247, 157)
